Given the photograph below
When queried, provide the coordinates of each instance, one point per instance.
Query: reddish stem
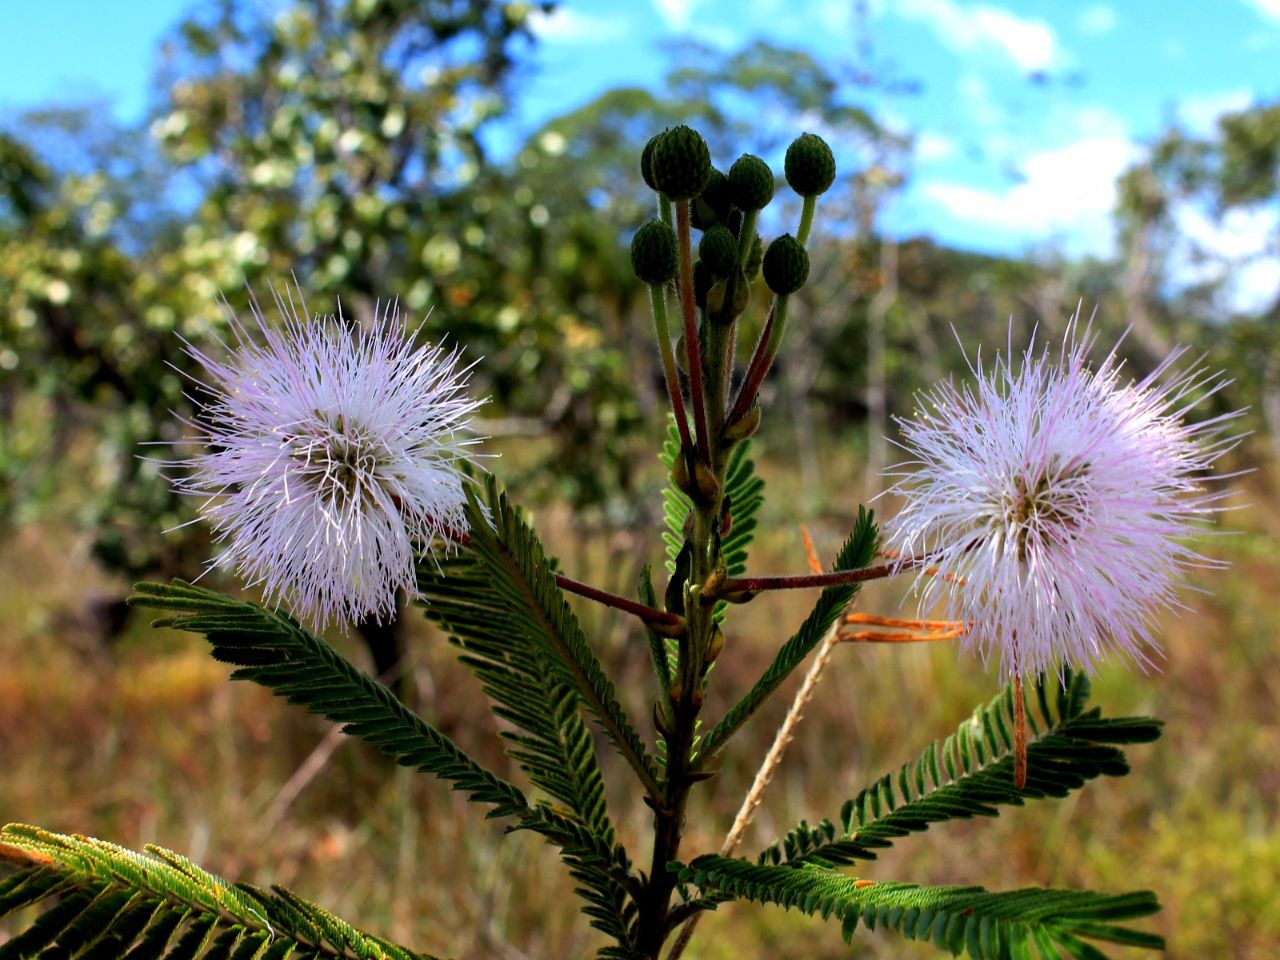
(835, 578)
(692, 349)
(649, 615)
(756, 369)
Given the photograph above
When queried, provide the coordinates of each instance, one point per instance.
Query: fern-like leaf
(662, 650)
(105, 902)
(550, 741)
(855, 554)
(274, 650)
(1011, 925)
(499, 603)
(506, 555)
(742, 488)
(603, 871)
(970, 773)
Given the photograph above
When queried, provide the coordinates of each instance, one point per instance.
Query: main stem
(684, 701)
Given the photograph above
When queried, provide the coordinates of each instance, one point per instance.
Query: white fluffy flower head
(330, 458)
(1056, 501)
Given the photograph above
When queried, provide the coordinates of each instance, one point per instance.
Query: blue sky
(1000, 164)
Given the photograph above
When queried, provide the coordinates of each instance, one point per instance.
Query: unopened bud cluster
(724, 207)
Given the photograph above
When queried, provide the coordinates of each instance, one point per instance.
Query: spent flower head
(1055, 501)
(330, 458)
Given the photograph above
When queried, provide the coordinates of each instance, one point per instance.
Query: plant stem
(658, 303)
(651, 616)
(1019, 735)
(761, 359)
(781, 740)
(655, 921)
(806, 219)
(747, 236)
(861, 575)
(692, 348)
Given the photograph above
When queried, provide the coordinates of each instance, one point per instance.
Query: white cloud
(931, 147)
(1237, 246)
(1259, 40)
(976, 93)
(1066, 193)
(569, 26)
(1029, 43)
(1267, 9)
(1096, 20)
(1200, 113)
(676, 14)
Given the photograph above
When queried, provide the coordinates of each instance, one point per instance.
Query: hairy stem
(658, 303)
(656, 920)
(804, 581)
(693, 350)
(651, 616)
(806, 219)
(758, 365)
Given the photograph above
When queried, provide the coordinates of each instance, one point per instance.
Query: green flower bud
(810, 166)
(786, 265)
(752, 267)
(653, 252)
(681, 163)
(703, 279)
(719, 251)
(750, 183)
(715, 195)
(747, 426)
(714, 647)
(705, 485)
(722, 310)
(701, 216)
(741, 296)
(646, 161)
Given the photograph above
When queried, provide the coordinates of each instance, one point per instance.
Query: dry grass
(147, 742)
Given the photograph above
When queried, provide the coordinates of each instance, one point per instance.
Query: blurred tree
(1249, 176)
(79, 352)
(1147, 196)
(1184, 181)
(334, 141)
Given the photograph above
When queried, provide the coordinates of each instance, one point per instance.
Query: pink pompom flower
(330, 458)
(1056, 500)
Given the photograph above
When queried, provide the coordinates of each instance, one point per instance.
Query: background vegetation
(307, 142)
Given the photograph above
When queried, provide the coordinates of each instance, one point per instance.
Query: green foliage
(855, 554)
(550, 741)
(499, 602)
(603, 872)
(970, 773)
(1012, 925)
(107, 902)
(744, 492)
(661, 653)
(1250, 149)
(272, 649)
(506, 549)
